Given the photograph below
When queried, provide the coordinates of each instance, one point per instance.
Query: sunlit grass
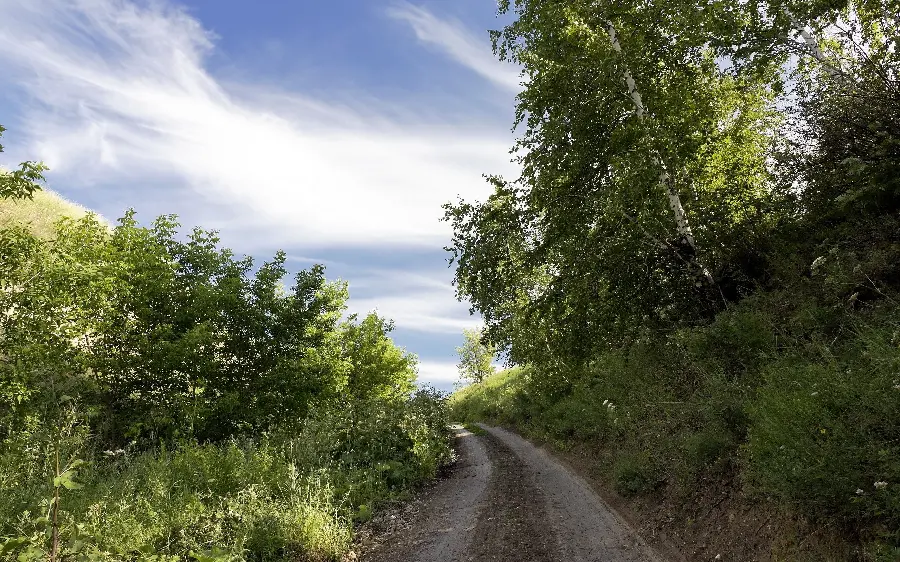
(39, 213)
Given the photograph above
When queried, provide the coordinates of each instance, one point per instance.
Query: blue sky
(332, 130)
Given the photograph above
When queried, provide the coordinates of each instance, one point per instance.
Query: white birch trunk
(665, 181)
(812, 46)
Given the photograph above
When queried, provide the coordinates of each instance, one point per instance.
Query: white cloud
(414, 302)
(122, 95)
(459, 44)
(438, 372)
(421, 311)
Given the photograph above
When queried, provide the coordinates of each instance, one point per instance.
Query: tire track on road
(587, 529)
(509, 501)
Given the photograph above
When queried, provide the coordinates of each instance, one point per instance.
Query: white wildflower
(859, 492)
(817, 263)
(880, 485)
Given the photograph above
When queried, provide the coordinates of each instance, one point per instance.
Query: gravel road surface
(507, 500)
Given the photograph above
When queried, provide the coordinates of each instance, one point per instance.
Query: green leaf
(32, 554)
(65, 480)
(13, 544)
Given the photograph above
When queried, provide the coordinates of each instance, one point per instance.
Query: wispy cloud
(122, 93)
(458, 43)
(414, 301)
(421, 311)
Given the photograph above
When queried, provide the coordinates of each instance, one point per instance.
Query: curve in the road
(506, 501)
(442, 525)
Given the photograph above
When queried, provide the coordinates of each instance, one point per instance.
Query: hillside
(39, 213)
(697, 275)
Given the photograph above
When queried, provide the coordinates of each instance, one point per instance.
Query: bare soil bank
(715, 522)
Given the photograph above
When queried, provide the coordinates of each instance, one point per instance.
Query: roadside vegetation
(162, 399)
(696, 279)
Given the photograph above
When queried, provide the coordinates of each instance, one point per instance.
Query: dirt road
(505, 501)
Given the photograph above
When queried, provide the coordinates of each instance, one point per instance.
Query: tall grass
(40, 213)
(292, 497)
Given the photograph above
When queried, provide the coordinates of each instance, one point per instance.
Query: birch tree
(641, 160)
(648, 135)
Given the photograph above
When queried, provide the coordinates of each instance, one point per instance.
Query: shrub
(635, 474)
(826, 431)
(257, 499)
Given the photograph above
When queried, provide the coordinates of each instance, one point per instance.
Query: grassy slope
(749, 437)
(40, 213)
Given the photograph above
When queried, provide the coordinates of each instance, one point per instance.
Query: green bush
(825, 431)
(635, 474)
(499, 398)
(707, 447)
(802, 420)
(260, 499)
(221, 415)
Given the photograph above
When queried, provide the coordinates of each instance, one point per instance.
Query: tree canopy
(632, 112)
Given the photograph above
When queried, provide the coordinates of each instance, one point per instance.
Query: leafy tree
(50, 293)
(649, 197)
(617, 134)
(167, 337)
(378, 368)
(846, 139)
(475, 357)
(21, 183)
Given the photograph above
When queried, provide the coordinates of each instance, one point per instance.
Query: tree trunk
(682, 225)
(812, 46)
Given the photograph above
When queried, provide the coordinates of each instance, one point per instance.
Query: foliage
(170, 338)
(378, 368)
(847, 143)
(475, 357)
(583, 241)
(581, 249)
(775, 123)
(825, 430)
(23, 182)
(294, 493)
(803, 410)
(207, 410)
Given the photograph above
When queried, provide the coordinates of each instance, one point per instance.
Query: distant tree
(378, 368)
(475, 357)
(21, 183)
